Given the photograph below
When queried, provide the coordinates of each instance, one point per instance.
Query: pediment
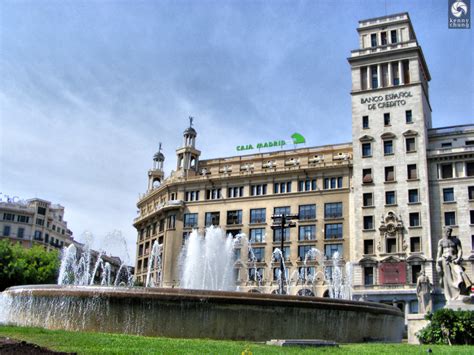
(388, 135)
(368, 260)
(391, 259)
(366, 138)
(410, 133)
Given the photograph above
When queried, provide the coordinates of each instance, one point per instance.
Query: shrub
(448, 327)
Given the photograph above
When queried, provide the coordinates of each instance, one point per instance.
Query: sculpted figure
(423, 291)
(453, 278)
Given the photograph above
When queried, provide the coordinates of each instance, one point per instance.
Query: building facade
(34, 222)
(380, 201)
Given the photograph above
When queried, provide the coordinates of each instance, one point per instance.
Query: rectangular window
(286, 210)
(333, 231)
(446, 171)
(396, 74)
(368, 199)
(212, 219)
(307, 185)
(385, 80)
(448, 194)
(389, 173)
(367, 176)
(257, 215)
(406, 71)
(446, 145)
(365, 122)
(236, 191)
(393, 36)
(331, 249)
(368, 222)
(410, 144)
(39, 221)
(256, 274)
(258, 190)
(373, 39)
(257, 235)
(391, 245)
(8, 217)
(390, 198)
(449, 218)
(190, 220)
(42, 211)
(333, 210)
(282, 187)
(374, 76)
(470, 192)
(46, 238)
(23, 219)
(191, 195)
(413, 196)
(307, 232)
(386, 119)
(366, 150)
(6, 231)
(213, 194)
(415, 244)
(286, 254)
(368, 246)
(469, 142)
(363, 78)
(368, 276)
(257, 254)
(388, 147)
(383, 38)
(277, 235)
(21, 232)
(234, 217)
(414, 219)
(470, 168)
(172, 221)
(38, 235)
(411, 172)
(408, 116)
(303, 250)
(307, 212)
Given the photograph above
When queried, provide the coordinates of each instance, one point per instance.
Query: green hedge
(448, 327)
(21, 266)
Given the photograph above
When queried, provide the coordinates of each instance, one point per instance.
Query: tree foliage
(448, 327)
(21, 266)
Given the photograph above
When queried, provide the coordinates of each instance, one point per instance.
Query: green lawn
(94, 343)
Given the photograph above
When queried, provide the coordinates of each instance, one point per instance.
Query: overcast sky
(88, 89)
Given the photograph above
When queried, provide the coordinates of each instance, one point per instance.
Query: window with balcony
(367, 176)
(282, 187)
(307, 212)
(331, 249)
(408, 116)
(446, 171)
(368, 246)
(366, 150)
(388, 147)
(413, 196)
(390, 198)
(212, 219)
(333, 231)
(307, 232)
(365, 122)
(414, 218)
(257, 215)
(411, 172)
(333, 210)
(415, 244)
(410, 144)
(448, 194)
(236, 191)
(449, 218)
(368, 222)
(258, 190)
(368, 199)
(389, 173)
(234, 217)
(257, 235)
(257, 254)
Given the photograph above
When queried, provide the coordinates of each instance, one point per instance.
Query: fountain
(207, 262)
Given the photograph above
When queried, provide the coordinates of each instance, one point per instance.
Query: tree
(20, 266)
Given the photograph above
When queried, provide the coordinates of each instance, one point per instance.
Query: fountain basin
(184, 313)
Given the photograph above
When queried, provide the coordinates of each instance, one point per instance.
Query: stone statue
(423, 291)
(453, 279)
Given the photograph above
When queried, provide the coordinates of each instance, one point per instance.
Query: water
(207, 261)
(340, 282)
(154, 262)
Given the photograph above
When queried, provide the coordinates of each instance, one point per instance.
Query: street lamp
(283, 221)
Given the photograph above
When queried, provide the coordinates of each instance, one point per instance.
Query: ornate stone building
(380, 201)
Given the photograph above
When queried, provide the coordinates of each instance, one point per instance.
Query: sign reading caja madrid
(386, 100)
(296, 138)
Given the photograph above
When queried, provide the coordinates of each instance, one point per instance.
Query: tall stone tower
(391, 114)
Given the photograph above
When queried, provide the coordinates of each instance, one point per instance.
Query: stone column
(400, 72)
(379, 76)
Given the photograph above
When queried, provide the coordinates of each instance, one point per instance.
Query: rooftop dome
(159, 157)
(190, 131)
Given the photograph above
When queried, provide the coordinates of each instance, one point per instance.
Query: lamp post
(283, 221)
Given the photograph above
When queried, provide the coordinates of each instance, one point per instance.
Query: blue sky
(89, 88)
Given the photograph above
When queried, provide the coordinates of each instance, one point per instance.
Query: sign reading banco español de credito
(296, 138)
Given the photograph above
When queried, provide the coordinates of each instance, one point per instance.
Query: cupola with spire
(156, 174)
(188, 155)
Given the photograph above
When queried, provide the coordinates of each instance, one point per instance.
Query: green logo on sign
(296, 138)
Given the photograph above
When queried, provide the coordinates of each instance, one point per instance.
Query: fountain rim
(203, 296)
